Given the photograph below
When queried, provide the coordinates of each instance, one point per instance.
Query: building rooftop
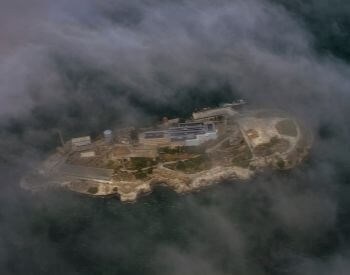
(214, 112)
(81, 139)
(182, 132)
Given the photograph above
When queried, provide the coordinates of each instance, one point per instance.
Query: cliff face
(129, 191)
(182, 183)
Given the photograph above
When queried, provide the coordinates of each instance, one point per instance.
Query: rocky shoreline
(254, 142)
(129, 191)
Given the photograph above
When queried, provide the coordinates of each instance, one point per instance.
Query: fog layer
(83, 66)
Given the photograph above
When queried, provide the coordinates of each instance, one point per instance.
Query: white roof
(81, 139)
(88, 154)
(224, 111)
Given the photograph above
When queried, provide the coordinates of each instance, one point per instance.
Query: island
(230, 142)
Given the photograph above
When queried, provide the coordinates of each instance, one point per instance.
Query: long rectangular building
(186, 134)
(214, 113)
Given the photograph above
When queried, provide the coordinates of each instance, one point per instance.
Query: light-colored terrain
(247, 144)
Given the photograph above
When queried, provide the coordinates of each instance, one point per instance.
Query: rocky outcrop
(218, 174)
(129, 191)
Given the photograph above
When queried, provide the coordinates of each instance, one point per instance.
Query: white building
(88, 154)
(214, 113)
(185, 134)
(81, 143)
(108, 136)
(201, 139)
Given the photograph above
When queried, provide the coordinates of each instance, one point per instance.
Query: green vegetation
(192, 165)
(180, 165)
(122, 175)
(110, 164)
(182, 149)
(150, 170)
(93, 190)
(141, 174)
(175, 150)
(113, 165)
(140, 163)
(281, 164)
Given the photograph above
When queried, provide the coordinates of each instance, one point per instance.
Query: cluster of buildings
(123, 153)
(81, 143)
(122, 145)
(185, 134)
(199, 130)
(171, 133)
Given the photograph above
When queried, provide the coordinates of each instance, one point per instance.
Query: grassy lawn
(140, 163)
(191, 165)
(93, 190)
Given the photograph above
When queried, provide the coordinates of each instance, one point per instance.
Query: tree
(180, 165)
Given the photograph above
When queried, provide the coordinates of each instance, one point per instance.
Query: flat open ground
(86, 172)
(287, 127)
(268, 133)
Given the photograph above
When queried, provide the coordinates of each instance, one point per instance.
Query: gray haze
(74, 65)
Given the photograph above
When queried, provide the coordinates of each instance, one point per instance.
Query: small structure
(239, 102)
(81, 143)
(88, 154)
(108, 136)
(173, 122)
(166, 123)
(199, 139)
(214, 114)
(155, 138)
(123, 135)
(234, 104)
(185, 134)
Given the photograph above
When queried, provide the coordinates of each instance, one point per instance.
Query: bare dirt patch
(275, 145)
(287, 127)
(251, 133)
